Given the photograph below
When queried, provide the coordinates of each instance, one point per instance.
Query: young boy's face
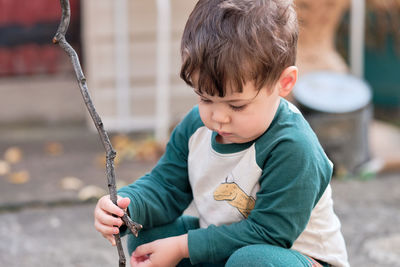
(239, 117)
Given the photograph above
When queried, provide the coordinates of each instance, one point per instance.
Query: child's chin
(224, 140)
(234, 140)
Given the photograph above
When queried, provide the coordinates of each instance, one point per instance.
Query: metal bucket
(338, 108)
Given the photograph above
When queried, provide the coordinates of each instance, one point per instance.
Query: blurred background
(52, 161)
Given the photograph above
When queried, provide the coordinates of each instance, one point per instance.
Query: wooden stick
(59, 38)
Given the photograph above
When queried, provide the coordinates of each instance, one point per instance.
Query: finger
(106, 229)
(123, 203)
(110, 238)
(107, 205)
(139, 261)
(143, 250)
(108, 219)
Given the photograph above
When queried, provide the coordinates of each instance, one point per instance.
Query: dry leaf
(71, 183)
(124, 146)
(4, 168)
(120, 141)
(130, 151)
(91, 191)
(127, 149)
(149, 150)
(54, 148)
(20, 177)
(13, 155)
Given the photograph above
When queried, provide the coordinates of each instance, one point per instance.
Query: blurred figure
(318, 21)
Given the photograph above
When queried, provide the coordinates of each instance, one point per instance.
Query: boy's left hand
(163, 252)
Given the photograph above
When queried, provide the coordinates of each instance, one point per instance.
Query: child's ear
(287, 81)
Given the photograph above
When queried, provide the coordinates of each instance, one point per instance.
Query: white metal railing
(163, 63)
(122, 66)
(357, 36)
(124, 120)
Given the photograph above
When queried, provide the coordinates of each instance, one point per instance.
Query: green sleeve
(162, 195)
(292, 181)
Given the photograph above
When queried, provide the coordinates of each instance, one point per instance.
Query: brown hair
(229, 42)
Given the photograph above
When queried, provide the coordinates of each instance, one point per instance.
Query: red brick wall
(26, 30)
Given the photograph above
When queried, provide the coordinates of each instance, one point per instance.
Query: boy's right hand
(104, 221)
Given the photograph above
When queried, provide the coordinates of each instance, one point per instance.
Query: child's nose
(220, 116)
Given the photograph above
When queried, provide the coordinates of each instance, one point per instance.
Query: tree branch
(59, 38)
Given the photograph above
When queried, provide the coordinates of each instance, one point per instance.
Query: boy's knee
(263, 255)
(246, 256)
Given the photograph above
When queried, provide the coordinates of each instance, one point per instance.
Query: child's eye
(205, 100)
(237, 108)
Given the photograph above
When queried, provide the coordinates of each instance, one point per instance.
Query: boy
(254, 170)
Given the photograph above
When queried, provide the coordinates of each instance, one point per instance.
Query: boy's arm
(291, 185)
(162, 195)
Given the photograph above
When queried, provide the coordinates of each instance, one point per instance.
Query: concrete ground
(42, 223)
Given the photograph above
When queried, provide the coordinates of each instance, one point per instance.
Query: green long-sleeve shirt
(272, 190)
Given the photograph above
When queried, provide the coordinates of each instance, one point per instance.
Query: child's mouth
(224, 134)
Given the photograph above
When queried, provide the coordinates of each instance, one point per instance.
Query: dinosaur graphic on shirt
(235, 196)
